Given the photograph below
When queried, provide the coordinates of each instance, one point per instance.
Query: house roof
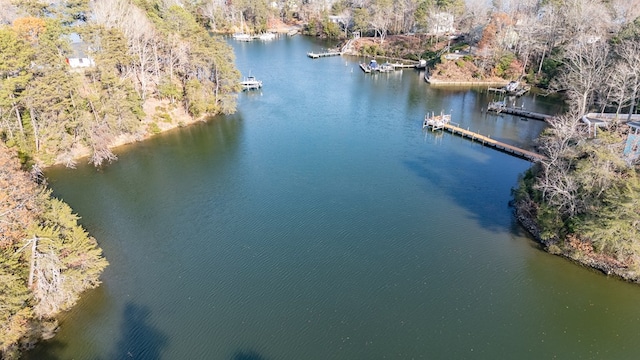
(634, 124)
(79, 50)
(593, 121)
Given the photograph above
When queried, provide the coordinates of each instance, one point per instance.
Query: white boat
(497, 106)
(266, 36)
(512, 86)
(250, 83)
(242, 37)
(386, 67)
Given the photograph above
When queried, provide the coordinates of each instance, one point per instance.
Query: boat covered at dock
(370, 67)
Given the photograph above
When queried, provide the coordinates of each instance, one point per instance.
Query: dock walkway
(485, 140)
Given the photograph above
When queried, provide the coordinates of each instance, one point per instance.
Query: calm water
(322, 222)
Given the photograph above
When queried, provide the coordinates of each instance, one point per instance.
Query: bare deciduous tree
(9, 11)
(625, 11)
(381, 11)
(629, 54)
(558, 187)
(585, 63)
(475, 16)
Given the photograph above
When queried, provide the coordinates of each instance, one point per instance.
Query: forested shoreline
(149, 65)
(46, 259)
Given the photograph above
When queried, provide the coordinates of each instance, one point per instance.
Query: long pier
(485, 140)
(499, 107)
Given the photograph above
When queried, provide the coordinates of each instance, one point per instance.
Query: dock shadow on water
(138, 338)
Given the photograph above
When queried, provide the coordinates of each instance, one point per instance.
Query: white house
(79, 57)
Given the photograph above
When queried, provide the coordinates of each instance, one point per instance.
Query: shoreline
(598, 262)
(178, 118)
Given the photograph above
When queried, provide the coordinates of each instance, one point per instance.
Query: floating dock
(444, 122)
(500, 107)
(405, 66)
(373, 66)
(323, 54)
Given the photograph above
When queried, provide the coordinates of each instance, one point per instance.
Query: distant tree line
(366, 16)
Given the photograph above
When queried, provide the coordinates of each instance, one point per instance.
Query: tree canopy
(133, 53)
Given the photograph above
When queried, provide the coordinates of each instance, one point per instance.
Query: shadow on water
(92, 305)
(482, 195)
(138, 338)
(247, 355)
(53, 347)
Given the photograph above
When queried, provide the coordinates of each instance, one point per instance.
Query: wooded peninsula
(79, 77)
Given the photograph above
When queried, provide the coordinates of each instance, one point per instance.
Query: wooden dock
(443, 123)
(324, 54)
(499, 107)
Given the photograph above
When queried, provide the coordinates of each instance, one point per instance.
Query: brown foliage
(29, 28)
(17, 199)
(488, 36)
(573, 243)
(499, 23)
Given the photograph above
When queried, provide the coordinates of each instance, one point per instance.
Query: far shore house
(79, 57)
